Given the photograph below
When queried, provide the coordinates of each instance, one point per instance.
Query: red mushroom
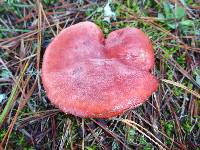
(89, 76)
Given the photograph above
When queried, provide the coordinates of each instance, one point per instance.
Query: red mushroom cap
(87, 76)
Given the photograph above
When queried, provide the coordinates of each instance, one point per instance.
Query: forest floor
(170, 119)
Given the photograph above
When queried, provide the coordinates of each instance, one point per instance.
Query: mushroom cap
(89, 76)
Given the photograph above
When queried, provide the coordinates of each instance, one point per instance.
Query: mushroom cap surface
(89, 76)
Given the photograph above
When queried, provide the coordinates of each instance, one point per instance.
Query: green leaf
(179, 12)
(198, 79)
(5, 74)
(169, 127)
(143, 141)
(172, 25)
(2, 97)
(92, 147)
(147, 148)
(187, 23)
(161, 16)
(131, 135)
(168, 11)
(100, 9)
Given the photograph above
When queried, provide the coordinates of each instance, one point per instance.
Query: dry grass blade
(179, 68)
(20, 107)
(111, 133)
(140, 128)
(66, 134)
(39, 43)
(83, 129)
(45, 17)
(13, 95)
(157, 130)
(181, 86)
